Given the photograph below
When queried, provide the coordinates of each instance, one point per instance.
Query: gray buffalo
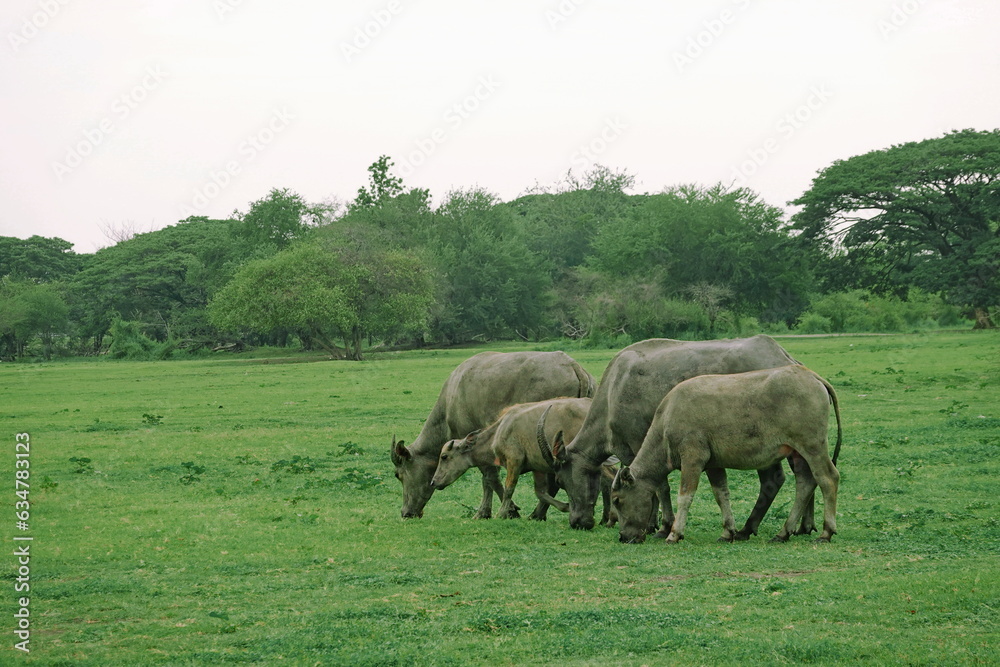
(747, 421)
(472, 398)
(515, 442)
(631, 388)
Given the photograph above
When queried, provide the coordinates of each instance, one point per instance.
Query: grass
(244, 510)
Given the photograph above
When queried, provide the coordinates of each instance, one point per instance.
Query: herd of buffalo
(661, 405)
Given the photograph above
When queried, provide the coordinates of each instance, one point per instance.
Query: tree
(923, 214)
(325, 292)
(382, 185)
(27, 310)
(562, 223)
(710, 297)
(162, 279)
(405, 219)
(279, 218)
(38, 258)
(691, 235)
(492, 283)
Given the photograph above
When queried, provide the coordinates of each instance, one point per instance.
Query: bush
(859, 311)
(128, 342)
(813, 323)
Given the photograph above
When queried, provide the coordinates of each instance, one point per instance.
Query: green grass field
(244, 510)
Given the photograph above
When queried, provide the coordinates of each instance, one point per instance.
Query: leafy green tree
(492, 284)
(382, 185)
(562, 223)
(38, 258)
(279, 218)
(923, 214)
(404, 220)
(711, 297)
(328, 292)
(692, 235)
(162, 279)
(27, 310)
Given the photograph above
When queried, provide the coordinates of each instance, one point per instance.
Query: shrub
(813, 323)
(129, 342)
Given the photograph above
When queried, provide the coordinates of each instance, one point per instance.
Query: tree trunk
(983, 320)
(355, 351)
(327, 344)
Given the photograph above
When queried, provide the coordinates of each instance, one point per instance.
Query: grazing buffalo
(517, 442)
(631, 388)
(748, 421)
(472, 398)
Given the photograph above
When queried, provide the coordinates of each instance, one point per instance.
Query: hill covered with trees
(897, 239)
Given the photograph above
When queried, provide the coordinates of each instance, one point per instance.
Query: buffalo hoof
(821, 540)
(779, 538)
(804, 530)
(483, 514)
(513, 514)
(538, 517)
(728, 539)
(740, 536)
(672, 538)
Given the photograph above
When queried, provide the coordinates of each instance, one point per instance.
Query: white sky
(142, 112)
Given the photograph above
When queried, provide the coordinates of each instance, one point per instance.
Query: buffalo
(746, 421)
(472, 398)
(630, 390)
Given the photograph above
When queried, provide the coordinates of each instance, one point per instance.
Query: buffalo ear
(558, 453)
(399, 452)
(623, 479)
(466, 443)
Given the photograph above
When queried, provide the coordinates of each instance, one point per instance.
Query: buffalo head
(582, 480)
(415, 473)
(632, 500)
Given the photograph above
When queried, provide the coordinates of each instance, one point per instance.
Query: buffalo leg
(690, 472)
(808, 524)
(771, 480)
(508, 510)
(666, 510)
(609, 517)
(824, 473)
(720, 487)
(491, 485)
(543, 491)
(805, 488)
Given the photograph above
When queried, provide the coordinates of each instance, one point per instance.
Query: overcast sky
(142, 112)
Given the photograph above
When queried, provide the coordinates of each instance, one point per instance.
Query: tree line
(894, 239)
